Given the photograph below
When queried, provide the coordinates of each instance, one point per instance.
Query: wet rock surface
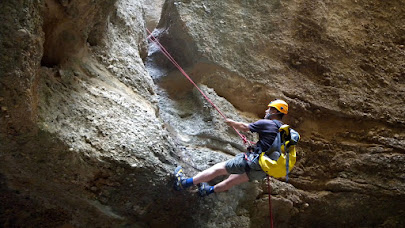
(94, 119)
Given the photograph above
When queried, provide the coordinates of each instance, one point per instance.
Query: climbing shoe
(204, 189)
(179, 178)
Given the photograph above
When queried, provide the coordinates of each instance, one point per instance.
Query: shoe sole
(201, 189)
(177, 182)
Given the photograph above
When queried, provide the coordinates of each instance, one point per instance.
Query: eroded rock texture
(339, 65)
(94, 119)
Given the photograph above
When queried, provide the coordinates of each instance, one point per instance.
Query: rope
(270, 209)
(287, 164)
(167, 54)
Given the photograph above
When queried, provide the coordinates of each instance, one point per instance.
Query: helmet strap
(268, 116)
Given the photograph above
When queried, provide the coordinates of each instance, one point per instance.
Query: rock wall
(340, 67)
(94, 119)
(152, 10)
(81, 139)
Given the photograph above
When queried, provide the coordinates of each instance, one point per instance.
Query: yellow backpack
(285, 142)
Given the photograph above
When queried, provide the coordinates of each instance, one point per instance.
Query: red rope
(270, 209)
(167, 54)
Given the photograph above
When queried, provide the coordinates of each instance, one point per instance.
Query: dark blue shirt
(267, 130)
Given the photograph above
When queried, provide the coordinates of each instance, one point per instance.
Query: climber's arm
(238, 125)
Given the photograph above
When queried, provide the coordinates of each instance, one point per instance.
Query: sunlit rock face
(94, 119)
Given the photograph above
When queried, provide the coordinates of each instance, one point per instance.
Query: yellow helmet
(280, 105)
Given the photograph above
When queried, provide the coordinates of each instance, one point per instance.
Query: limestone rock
(94, 118)
(332, 67)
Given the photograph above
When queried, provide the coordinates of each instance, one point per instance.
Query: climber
(245, 166)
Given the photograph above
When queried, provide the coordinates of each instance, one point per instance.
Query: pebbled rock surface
(94, 119)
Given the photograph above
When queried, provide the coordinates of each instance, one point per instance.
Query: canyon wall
(94, 119)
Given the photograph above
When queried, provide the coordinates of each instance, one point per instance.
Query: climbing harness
(167, 54)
